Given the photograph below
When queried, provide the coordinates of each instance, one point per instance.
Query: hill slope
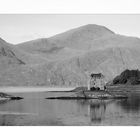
(131, 77)
(64, 59)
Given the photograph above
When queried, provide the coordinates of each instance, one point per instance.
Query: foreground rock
(4, 96)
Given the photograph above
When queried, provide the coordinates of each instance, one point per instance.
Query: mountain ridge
(62, 60)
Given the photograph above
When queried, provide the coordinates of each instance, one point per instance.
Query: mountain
(64, 59)
(7, 56)
(68, 44)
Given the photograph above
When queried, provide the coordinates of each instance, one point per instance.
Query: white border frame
(70, 7)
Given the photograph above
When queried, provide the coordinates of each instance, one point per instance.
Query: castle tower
(96, 81)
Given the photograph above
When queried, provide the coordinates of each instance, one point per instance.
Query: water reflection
(36, 110)
(132, 104)
(96, 109)
(6, 120)
(97, 112)
(3, 101)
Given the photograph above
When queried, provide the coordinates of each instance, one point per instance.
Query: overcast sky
(20, 28)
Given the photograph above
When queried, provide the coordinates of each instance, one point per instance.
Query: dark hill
(131, 77)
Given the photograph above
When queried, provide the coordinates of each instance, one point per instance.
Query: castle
(96, 81)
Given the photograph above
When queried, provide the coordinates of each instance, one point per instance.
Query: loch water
(35, 110)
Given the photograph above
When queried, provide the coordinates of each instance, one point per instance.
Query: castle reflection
(96, 109)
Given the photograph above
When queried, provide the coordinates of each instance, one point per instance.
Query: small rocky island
(4, 96)
(96, 89)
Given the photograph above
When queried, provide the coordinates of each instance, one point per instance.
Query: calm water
(34, 109)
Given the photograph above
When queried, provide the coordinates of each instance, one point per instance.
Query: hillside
(7, 55)
(129, 77)
(64, 59)
(69, 44)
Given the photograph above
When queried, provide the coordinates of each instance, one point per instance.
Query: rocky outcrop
(129, 77)
(4, 96)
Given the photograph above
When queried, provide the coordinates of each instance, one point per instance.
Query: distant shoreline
(35, 89)
(62, 89)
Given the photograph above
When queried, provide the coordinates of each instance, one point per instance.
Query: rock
(85, 95)
(4, 96)
(16, 98)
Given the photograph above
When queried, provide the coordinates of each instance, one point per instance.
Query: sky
(17, 28)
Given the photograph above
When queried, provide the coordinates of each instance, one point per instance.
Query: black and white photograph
(69, 70)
